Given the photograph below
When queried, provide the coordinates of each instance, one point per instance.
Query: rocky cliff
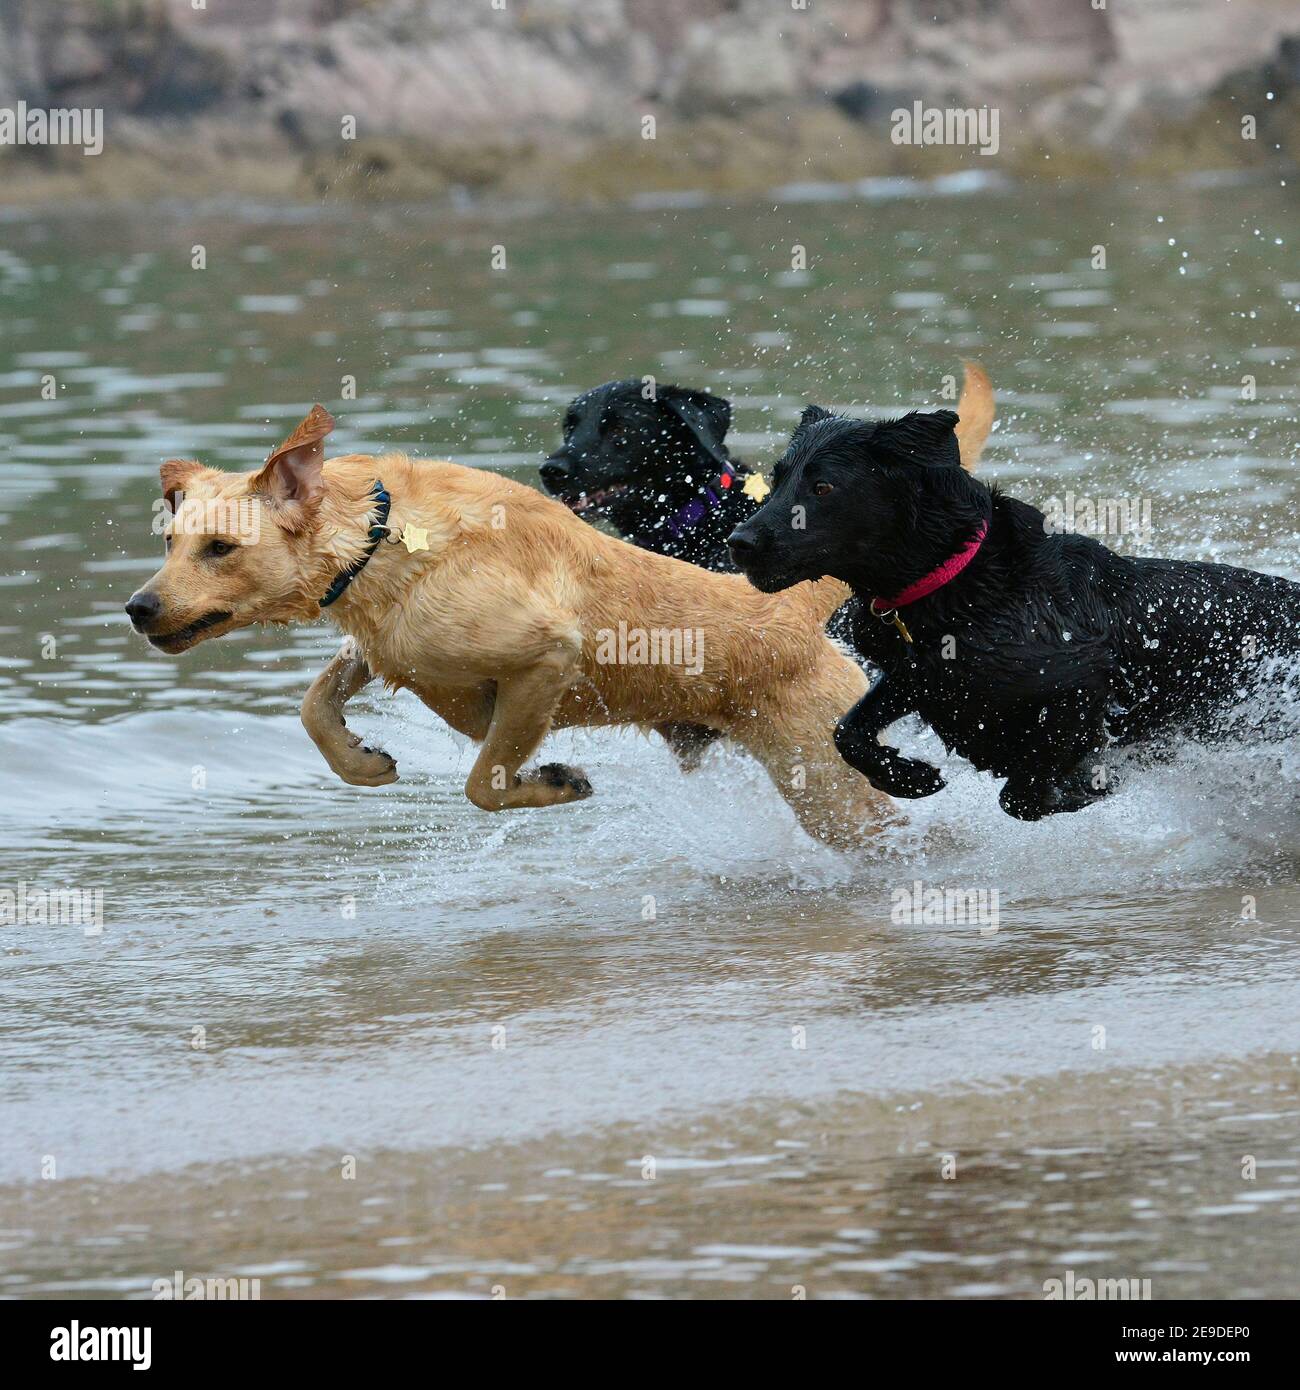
(597, 98)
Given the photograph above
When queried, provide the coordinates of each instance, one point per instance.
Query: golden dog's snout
(143, 608)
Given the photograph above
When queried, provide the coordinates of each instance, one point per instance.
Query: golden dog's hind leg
(521, 717)
(322, 717)
(794, 740)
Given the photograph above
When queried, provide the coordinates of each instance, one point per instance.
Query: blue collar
(378, 530)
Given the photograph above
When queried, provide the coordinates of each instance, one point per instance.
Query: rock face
(480, 91)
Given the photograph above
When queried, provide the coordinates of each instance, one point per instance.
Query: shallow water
(482, 1011)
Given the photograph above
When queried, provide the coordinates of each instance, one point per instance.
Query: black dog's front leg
(1031, 797)
(885, 768)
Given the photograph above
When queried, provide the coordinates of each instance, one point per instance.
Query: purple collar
(699, 507)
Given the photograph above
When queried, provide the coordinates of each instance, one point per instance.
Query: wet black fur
(1047, 647)
(668, 454)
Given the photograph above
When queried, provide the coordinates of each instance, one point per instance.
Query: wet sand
(1129, 1174)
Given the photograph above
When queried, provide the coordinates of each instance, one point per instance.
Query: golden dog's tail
(975, 411)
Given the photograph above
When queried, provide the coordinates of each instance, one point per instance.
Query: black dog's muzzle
(557, 471)
(747, 544)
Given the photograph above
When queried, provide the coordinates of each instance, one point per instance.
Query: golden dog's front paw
(568, 783)
(360, 765)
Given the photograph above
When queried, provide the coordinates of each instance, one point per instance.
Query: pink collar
(936, 579)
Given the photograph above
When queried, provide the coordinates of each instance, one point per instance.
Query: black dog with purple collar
(652, 462)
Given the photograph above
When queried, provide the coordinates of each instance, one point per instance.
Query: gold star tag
(756, 487)
(415, 538)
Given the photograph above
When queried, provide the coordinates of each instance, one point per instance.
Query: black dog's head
(618, 441)
(876, 504)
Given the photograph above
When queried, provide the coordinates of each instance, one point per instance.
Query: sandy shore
(1123, 1174)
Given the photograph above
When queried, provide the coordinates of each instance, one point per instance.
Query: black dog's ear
(708, 417)
(811, 415)
(927, 439)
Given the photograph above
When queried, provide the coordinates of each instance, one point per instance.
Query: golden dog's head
(239, 545)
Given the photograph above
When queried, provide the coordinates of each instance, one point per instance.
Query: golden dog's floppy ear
(291, 477)
(173, 475)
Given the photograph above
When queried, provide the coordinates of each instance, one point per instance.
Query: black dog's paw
(561, 775)
(1065, 797)
(861, 751)
(689, 742)
(1034, 800)
(1023, 803)
(907, 778)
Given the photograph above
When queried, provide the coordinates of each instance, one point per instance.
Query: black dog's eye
(219, 548)
(821, 489)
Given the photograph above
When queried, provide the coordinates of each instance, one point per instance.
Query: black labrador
(653, 463)
(1026, 651)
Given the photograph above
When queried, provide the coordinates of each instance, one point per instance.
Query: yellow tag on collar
(900, 625)
(415, 538)
(756, 486)
(890, 615)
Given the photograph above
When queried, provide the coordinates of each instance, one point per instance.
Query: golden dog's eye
(821, 489)
(219, 548)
